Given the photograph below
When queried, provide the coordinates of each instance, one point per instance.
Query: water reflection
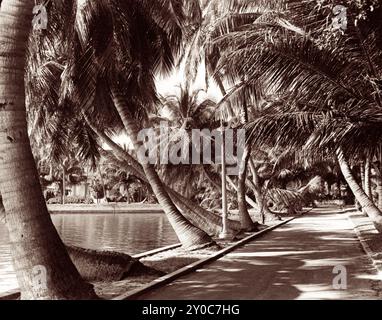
(128, 233)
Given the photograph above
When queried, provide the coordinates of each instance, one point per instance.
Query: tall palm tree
(107, 60)
(36, 245)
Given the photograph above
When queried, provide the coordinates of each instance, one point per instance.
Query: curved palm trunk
(249, 200)
(263, 208)
(266, 213)
(245, 219)
(362, 174)
(190, 236)
(37, 250)
(210, 228)
(379, 186)
(367, 205)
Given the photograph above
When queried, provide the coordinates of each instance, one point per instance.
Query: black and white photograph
(186, 156)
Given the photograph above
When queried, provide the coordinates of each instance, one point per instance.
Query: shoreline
(126, 208)
(105, 208)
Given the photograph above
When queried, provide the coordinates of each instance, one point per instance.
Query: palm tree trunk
(101, 179)
(211, 228)
(367, 205)
(245, 219)
(36, 247)
(265, 212)
(379, 192)
(190, 236)
(379, 186)
(252, 203)
(220, 84)
(63, 185)
(362, 174)
(367, 179)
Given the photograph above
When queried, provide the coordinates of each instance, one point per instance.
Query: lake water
(127, 233)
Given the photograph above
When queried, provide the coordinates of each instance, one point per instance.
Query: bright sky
(168, 86)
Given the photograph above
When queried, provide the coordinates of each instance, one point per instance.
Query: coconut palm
(36, 246)
(156, 29)
(128, 73)
(182, 113)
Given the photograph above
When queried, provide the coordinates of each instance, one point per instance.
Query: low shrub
(70, 200)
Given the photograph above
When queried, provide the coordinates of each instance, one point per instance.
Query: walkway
(295, 261)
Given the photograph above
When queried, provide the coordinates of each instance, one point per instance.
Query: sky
(168, 86)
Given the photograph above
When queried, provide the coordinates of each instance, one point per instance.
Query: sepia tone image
(164, 150)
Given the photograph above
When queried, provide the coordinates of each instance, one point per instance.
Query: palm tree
(89, 72)
(184, 112)
(35, 241)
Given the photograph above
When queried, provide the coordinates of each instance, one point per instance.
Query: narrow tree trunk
(265, 212)
(362, 173)
(252, 203)
(338, 190)
(102, 182)
(245, 219)
(367, 179)
(329, 188)
(190, 236)
(367, 205)
(220, 84)
(379, 186)
(225, 232)
(42, 264)
(63, 191)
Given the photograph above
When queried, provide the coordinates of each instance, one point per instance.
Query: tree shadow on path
(295, 261)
